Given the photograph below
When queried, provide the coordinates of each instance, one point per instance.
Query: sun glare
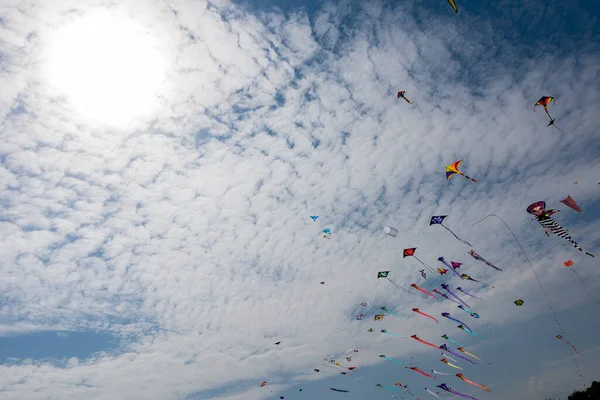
(107, 67)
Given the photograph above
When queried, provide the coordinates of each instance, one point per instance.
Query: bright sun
(107, 67)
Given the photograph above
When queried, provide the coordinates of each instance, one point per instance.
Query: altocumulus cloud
(182, 227)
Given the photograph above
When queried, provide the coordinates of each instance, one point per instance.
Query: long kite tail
(441, 373)
(467, 293)
(433, 394)
(541, 286)
(444, 295)
(457, 298)
(554, 227)
(468, 177)
(487, 389)
(462, 240)
(424, 314)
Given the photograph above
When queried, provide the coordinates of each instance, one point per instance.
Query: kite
(469, 354)
(339, 390)
(401, 94)
(392, 359)
(378, 317)
(519, 302)
(389, 312)
(424, 342)
(423, 290)
(465, 276)
(405, 388)
(453, 267)
(317, 370)
(384, 274)
(453, 5)
(444, 347)
(370, 330)
(562, 338)
(277, 343)
(451, 365)
(314, 217)
(473, 314)
(448, 357)
(421, 372)
(569, 202)
(392, 334)
(379, 385)
(411, 253)
(446, 388)
(445, 296)
(568, 263)
(393, 232)
(447, 288)
(433, 394)
(327, 231)
(452, 169)
(487, 389)
(467, 293)
(450, 340)
(323, 282)
(447, 315)
(441, 373)
(423, 274)
(263, 384)
(426, 315)
(544, 101)
(470, 332)
(360, 316)
(483, 260)
(438, 220)
(442, 271)
(349, 359)
(543, 216)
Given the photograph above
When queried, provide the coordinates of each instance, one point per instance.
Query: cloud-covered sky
(159, 162)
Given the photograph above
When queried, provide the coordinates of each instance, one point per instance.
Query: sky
(160, 161)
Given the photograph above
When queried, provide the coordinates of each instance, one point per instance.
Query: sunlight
(107, 67)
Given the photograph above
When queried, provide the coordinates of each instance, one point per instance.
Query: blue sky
(159, 164)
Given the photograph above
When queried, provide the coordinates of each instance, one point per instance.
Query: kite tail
(455, 342)
(468, 177)
(441, 373)
(427, 315)
(433, 394)
(468, 294)
(574, 349)
(541, 286)
(579, 248)
(458, 298)
(454, 366)
(582, 284)
(487, 389)
(424, 373)
(464, 241)
(461, 357)
(462, 395)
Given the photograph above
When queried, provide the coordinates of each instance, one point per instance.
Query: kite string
(541, 286)
(583, 284)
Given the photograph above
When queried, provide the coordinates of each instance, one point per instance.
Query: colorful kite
(411, 253)
(360, 317)
(421, 372)
(424, 342)
(401, 94)
(544, 101)
(465, 276)
(426, 315)
(444, 295)
(450, 365)
(562, 338)
(441, 373)
(568, 263)
(433, 394)
(483, 260)
(447, 289)
(263, 384)
(314, 217)
(461, 376)
(473, 314)
(569, 202)
(446, 388)
(519, 302)
(469, 354)
(392, 334)
(384, 274)
(451, 340)
(453, 5)
(470, 332)
(392, 359)
(378, 317)
(447, 315)
(445, 348)
(543, 216)
(467, 293)
(438, 220)
(423, 290)
(448, 357)
(423, 274)
(453, 267)
(442, 271)
(389, 312)
(452, 169)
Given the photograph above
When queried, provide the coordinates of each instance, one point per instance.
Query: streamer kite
(467, 293)
(401, 95)
(426, 315)
(441, 373)
(483, 260)
(473, 314)
(392, 359)
(448, 357)
(569, 202)
(438, 220)
(446, 388)
(451, 340)
(450, 365)
(562, 338)
(543, 216)
(421, 372)
(461, 376)
(465, 276)
(389, 312)
(447, 315)
(445, 296)
(461, 349)
(470, 332)
(411, 253)
(453, 5)
(392, 334)
(445, 348)
(424, 342)
(423, 290)
(431, 393)
(447, 289)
